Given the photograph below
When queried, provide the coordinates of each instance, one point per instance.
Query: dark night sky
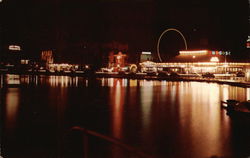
(57, 24)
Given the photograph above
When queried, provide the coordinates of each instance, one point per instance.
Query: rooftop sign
(14, 47)
(146, 53)
(204, 52)
(194, 52)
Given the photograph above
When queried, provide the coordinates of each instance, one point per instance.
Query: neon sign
(14, 47)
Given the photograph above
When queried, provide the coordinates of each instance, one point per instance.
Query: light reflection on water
(200, 117)
(169, 119)
(146, 91)
(117, 95)
(12, 102)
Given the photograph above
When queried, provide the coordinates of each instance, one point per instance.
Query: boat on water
(236, 108)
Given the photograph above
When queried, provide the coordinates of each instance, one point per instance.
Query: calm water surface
(164, 119)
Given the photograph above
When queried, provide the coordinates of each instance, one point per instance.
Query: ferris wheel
(164, 32)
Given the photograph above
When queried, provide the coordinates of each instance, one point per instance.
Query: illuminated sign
(224, 53)
(195, 52)
(214, 59)
(146, 56)
(14, 47)
(146, 53)
(204, 52)
(220, 53)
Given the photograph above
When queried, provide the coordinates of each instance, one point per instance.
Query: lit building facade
(16, 56)
(146, 56)
(117, 61)
(201, 61)
(47, 58)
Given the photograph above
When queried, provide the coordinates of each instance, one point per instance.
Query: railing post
(85, 145)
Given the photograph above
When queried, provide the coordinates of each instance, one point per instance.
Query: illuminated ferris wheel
(159, 40)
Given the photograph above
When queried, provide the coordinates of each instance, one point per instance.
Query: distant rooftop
(204, 56)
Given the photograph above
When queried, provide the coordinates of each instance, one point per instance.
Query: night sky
(62, 25)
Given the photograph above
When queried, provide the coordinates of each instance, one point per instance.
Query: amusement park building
(200, 61)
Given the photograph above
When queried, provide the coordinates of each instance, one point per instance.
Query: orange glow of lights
(14, 47)
(119, 57)
(214, 59)
(132, 83)
(200, 63)
(148, 63)
(195, 52)
(248, 93)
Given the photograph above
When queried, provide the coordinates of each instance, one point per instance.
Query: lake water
(161, 118)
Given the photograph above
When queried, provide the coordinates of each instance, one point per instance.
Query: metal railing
(86, 133)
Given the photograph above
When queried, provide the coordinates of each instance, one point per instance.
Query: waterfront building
(14, 59)
(120, 59)
(117, 61)
(201, 61)
(146, 56)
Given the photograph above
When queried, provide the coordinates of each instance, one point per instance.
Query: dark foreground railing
(86, 133)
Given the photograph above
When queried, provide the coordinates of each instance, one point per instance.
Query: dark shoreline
(137, 76)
